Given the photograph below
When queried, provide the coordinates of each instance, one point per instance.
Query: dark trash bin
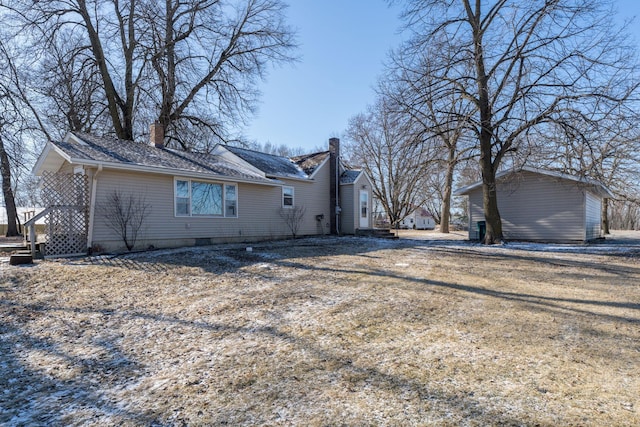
(482, 230)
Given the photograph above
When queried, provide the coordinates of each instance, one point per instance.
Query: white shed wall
(593, 214)
(535, 207)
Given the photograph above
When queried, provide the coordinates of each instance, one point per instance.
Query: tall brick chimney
(334, 191)
(156, 135)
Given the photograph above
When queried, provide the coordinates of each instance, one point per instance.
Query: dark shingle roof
(115, 151)
(270, 164)
(349, 176)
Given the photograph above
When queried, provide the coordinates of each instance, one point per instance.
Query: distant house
(418, 219)
(229, 195)
(540, 205)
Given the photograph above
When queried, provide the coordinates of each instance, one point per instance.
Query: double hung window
(287, 197)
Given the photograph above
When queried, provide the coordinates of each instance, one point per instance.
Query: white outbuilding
(541, 205)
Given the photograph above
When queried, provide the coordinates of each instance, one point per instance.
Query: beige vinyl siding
(66, 168)
(314, 196)
(256, 219)
(357, 186)
(535, 207)
(476, 213)
(593, 214)
(348, 204)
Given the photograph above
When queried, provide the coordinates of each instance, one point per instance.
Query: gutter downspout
(92, 206)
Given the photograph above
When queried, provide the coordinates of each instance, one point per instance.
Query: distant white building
(419, 219)
(24, 214)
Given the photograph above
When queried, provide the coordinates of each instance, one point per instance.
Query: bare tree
(205, 52)
(20, 123)
(192, 65)
(125, 215)
(71, 86)
(524, 65)
(293, 217)
(604, 148)
(385, 144)
(439, 111)
(13, 120)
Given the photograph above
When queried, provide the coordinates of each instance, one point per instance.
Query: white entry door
(364, 209)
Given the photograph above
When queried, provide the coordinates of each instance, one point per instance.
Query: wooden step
(20, 258)
(12, 247)
(376, 232)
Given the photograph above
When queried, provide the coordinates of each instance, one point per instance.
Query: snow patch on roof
(310, 162)
(271, 165)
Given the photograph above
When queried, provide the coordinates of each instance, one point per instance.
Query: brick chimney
(156, 135)
(334, 191)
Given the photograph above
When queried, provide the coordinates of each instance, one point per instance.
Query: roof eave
(292, 178)
(49, 148)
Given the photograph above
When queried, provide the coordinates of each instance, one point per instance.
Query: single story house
(541, 205)
(418, 219)
(184, 198)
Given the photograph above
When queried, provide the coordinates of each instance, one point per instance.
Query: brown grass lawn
(325, 332)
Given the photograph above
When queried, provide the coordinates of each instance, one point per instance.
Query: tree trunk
(488, 167)
(7, 192)
(493, 232)
(446, 197)
(123, 126)
(605, 216)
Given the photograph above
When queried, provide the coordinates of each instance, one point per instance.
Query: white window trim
(293, 197)
(224, 196)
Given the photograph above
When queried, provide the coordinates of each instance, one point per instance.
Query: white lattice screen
(67, 198)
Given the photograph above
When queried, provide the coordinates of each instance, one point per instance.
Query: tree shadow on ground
(32, 396)
(38, 399)
(121, 367)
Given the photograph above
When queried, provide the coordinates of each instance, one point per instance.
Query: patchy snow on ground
(325, 331)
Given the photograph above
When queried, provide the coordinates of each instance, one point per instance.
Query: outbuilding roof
(596, 186)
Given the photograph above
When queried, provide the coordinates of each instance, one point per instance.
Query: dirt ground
(326, 331)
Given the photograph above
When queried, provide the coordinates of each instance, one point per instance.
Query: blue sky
(343, 46)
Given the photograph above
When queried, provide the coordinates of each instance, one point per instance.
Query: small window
(230, 201)
(183, 199)
(287, 197)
